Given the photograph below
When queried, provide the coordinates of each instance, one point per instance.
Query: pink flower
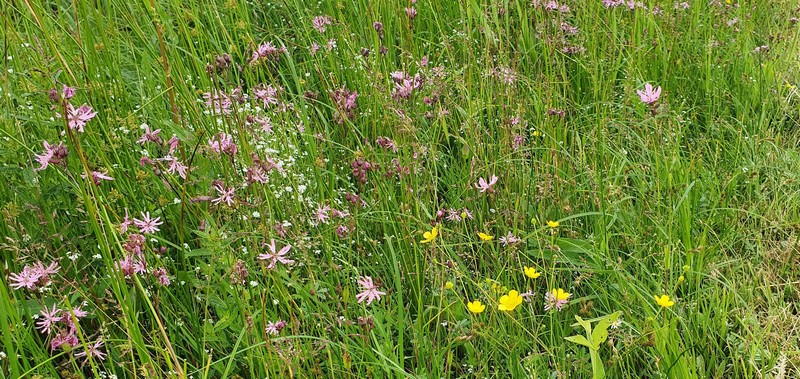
(173, 144)
(274, 328)
(126, 223)
(147, 225)
(97, 176)
(322, 213)
(79, 312)
(77, 118)
(552, 302)
(649, 95)
(68, 92)
(411, 13)
(267, 94)
(161, 275)
(386, 143)
(218, 101)
(33, 276)
(342, 231)
(126, 266)
(92, 351)
(265, 122)
(24, 279)
(49, 317)
(483, 186)
(275, 256)
(320, 22)
(453, 215)
(65, 338)
(175, 165)
(509, 239)
(370, 290)
(149, 136)
(345, 104)
(222, 143)
(53, 154)
(226, 195)
(266, 51)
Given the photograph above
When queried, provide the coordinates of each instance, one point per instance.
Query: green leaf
(580, 340)
(585, 324)
(600, 332)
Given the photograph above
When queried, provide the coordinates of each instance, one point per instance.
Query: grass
(694, 197)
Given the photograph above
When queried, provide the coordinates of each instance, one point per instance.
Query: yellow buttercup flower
(531, 272)
(559, 294)
(664, 301)
(449, 285)
(476, 306)
(510, 302)
(485, 236)
(553, 224)
(430, 236)
(536, 133)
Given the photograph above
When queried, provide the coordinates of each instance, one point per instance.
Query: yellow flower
(510, 302)
(449, 285)
(531, 272)
(559, 294)
(536, 133)
(664, 301)
(430, 236)
(485, 236)
(476, 306)
(553, 224)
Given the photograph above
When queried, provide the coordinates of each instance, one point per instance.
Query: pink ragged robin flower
(273, 328)
(556, 298)
(173, 144)
(78, 117)
(175, 166)
(97, 176)
(369, 290)
(92, 351)
(147, 225)
(33, 276)
(48, 318)
(222, 143)
(320, 22)
(149, 135)
(267, 94)
(218, 101)
(67, 92)
(226, 195)
(650, 95)
(161, 275)
(483, 186)
(53, 154)
(509, 239)
(275, 256)
(126, 223)
(26, 278)
(322, 214)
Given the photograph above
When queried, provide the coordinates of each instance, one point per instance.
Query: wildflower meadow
(400, 189)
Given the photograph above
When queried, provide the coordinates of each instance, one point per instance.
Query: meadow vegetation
(415, 189)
